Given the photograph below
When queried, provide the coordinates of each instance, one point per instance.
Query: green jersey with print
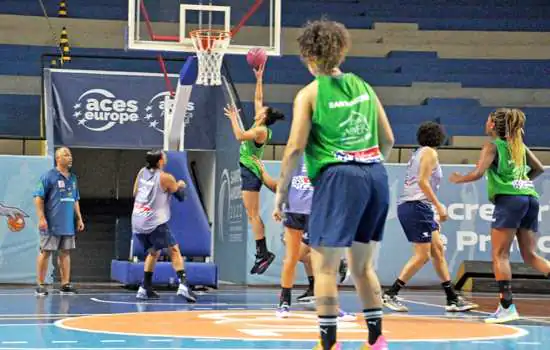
(504, 177)
(344, 125)
(250, 150)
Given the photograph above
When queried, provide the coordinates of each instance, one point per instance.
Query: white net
(211, 46)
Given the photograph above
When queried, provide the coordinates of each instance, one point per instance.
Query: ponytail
(509, 123)
(514, 128)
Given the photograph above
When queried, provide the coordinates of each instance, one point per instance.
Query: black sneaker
(67, 289)
(307, 297)
(262, 263)
(41, 291)
(459, 304)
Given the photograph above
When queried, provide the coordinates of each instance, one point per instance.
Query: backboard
(164, 25)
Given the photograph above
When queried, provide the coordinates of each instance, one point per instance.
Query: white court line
(528, 343)
(15, 342)
(25, 324)
(483, 342)
(64, 341)
(542, 320)
(160, 340)
(144, 348)
(97, 300)
(113, 341)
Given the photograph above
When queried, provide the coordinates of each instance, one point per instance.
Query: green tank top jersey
(504, 177)
(250, 150)
(344, 125)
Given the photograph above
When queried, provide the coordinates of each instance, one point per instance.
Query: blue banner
(19, 238)
(230, 245)
(466, 234)
(102, 109)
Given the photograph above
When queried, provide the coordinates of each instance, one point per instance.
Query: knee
(529, 256)
(438, 251)
(63, 253)
(154, 253)
(291, 260)
(500, 253)
(423, 256)
(45, 254)
(174, 250)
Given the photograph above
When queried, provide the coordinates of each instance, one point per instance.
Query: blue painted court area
(28, 322)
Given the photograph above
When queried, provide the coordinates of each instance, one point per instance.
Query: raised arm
(259, 94)
(258, 134)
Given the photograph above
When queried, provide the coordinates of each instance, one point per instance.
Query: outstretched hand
(455, 177)
(259, 72)
(231, 111)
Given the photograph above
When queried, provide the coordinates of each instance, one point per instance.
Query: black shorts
(298, 222)
(249, 180)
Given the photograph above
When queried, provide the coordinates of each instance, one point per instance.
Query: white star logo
(82, 121)
(153, 124)
(148, 108)
(77, 114)
(148, 116)
(76, 106)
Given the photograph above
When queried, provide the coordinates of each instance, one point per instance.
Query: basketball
(16, 224)
(256, 57)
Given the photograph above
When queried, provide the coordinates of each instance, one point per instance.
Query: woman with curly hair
(511, 168)
(417, 214)
(341, 126)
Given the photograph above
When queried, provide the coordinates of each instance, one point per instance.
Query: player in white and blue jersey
(420, 213)
(153, 190)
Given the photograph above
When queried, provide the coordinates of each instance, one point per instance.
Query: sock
(311, 281)
(396, 287)
(327, 327)
(261, 247)
(286, 294)
(449, 290)
(373, 317)
(181, 276)
(505, 289)
(147, 279)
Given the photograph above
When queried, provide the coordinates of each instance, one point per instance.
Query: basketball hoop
(211, 45)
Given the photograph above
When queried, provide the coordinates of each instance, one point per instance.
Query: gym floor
(244, 318)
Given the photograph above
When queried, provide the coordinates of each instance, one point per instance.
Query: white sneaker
(503, 315)
(186, 292)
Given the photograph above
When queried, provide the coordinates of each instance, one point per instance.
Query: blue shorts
(516, 212)
(249, 180)
(417, 220)
(350, 203)
(160, 238)
(298, 222)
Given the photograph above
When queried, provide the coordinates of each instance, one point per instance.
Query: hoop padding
(211, 45)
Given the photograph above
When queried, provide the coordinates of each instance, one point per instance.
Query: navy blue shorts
(516, 212)
(417, 220)
(249, 180)
(298, 222)
(350, 203)
(160, 238)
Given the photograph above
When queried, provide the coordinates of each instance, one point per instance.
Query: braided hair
(509, 123)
